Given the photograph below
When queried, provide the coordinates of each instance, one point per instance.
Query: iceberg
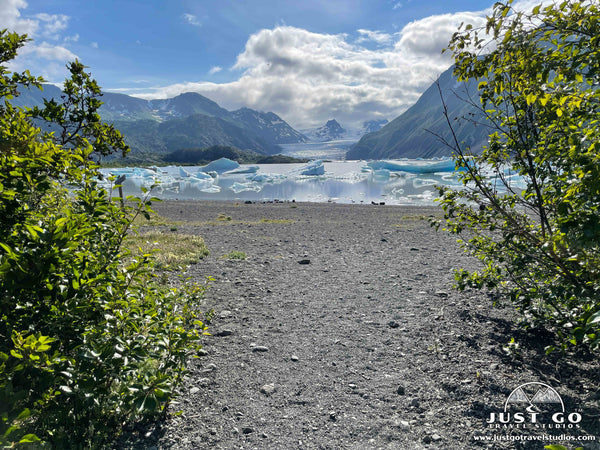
(201, 176)
(381, 174)
(221, 165)
(244, 187)
(183, 173)
(313, 168)
(414, 166)
(211, 189)
(248, 169)
(266, 177)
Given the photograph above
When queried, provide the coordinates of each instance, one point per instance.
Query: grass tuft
(171, 250)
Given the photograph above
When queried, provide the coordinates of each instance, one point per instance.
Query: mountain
(187, 120)
(372, 126)
(407, 135)
(331, 131)
(269, 126)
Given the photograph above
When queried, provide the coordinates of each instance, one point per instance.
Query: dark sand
(341, 331)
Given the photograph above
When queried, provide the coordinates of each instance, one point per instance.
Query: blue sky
(307, 61)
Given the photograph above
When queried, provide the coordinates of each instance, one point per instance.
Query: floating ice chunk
(244, 187)
(381, 174)
(313, 168)
(212, 189)
(201, 184)
(221, 165)
(414, 166)
(241, 169)
(139, 172)
(183, 173)
(422, 182)
(266, 177)
(201, 176)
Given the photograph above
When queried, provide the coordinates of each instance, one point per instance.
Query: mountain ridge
(161, 125)
(417, 132)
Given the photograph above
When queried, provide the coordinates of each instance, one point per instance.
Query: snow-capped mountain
(268, 125)
(185, 121)
(331, 131)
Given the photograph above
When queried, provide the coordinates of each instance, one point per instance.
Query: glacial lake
(340, 182)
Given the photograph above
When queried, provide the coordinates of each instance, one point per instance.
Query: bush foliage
(530, 207)
(90, 339)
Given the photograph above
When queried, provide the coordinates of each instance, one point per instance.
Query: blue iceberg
(245, 187)
(221, 165)
(313, 168)
(414, 166)
(266, 177)
(247, 169)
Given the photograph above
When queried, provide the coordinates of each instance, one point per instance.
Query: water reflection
(343, 182)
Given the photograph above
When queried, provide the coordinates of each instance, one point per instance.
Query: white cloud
(215, 69)
(52, 24)
(53, 52)
(309, 78)
(375, 36)
(10, 17)
(45, 59)
(74, 38)
(94, 45)
(192, 20)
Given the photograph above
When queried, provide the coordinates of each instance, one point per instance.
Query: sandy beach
(340, 330)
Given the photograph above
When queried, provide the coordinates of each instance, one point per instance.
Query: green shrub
(90, 339)
(539, 241)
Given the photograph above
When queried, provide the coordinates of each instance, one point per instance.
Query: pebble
(415, 402)
(393, 324)
(332, 416)
(202, 352)
(304, 261)
(294, 358)
(247, 430)
(225, 332)
(210, 368)
(194, 390)
(442, 294)
(400, 390)
(203, 382)
(225, 314)
(268, 389)
(260, 348)
(436, 437)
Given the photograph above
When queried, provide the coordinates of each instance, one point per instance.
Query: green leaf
(29, 438)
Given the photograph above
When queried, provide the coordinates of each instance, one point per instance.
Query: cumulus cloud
(214, 69)
(374, 36)
(10, 17)
(308, 78)
(52, 24)
(41, 58)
